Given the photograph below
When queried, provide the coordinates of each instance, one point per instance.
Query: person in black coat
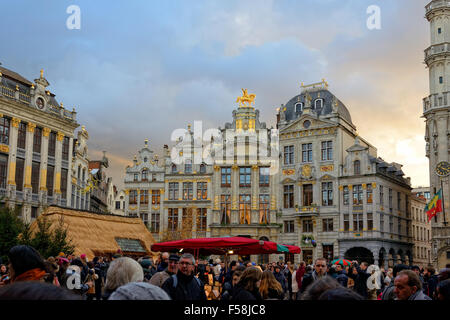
(184, 285)
(341, 276)
(320, 271)
(247, 288)
(280, 278)
(430, 281)
(360, 277)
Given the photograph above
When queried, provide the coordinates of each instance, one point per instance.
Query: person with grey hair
(139, 291)
(408, 286)
(122, 271)
(184, 285)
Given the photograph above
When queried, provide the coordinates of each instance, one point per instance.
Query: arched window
(299, 107)
(174, 168)
(357, 167)
(318, 104)
(202, 168)
(145, 174)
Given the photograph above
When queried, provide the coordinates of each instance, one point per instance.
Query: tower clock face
(443, 169)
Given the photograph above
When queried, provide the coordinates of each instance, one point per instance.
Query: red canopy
(220, 246)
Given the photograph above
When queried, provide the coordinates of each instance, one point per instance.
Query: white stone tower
(436, 108)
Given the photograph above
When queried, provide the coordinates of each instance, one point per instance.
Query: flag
(434, 206)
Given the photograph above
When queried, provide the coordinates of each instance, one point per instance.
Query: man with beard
(320, 271)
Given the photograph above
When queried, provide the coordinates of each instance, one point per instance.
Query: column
(364, 186)
(216, 181)
(194, 190)
(274, 193)
(69, 175)
(27, 188)
(235, 218)
(57, 176)
(350, 206)
(254, 215)
(13, 133)
(341, 205)
(43, 168)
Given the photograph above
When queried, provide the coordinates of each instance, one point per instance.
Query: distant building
(421, 231)
(422, 192)
(100, 185)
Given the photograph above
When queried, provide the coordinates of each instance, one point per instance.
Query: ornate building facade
(334, 192)
(421, 231)
(436, 109)
(36, 145)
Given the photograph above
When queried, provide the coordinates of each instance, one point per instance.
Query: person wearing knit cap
(139, 291)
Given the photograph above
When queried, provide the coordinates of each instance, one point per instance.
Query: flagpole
(443, 204)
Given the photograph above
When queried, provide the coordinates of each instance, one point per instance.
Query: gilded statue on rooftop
(246, 98)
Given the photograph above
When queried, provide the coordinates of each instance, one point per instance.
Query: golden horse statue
(246, 98)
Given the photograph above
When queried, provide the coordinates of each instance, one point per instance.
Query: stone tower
(436, 109)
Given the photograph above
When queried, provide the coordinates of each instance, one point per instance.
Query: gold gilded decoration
(12, 174)
(4, 148)
(327, 168)
(364, 186)
(350, 187)
(306, 171)
(31, 126)
(60, 136)
(74, 180)
(246, 98)
(374, 185)
(341, 188)
(15, 122)
(288, 172)
(234, 167)
(42, 73)
(46, 132)
(255, 167)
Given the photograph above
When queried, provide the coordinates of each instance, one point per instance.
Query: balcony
(305, 211)
(2, 192)
(19, 195)
(436, 49)
(34, 197)
(439, 4)
(437, 100)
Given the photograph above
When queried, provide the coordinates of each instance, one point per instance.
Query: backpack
(175, 281)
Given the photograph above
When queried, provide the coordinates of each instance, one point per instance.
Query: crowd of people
(28, 276)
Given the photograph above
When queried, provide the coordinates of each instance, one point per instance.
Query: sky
(140, 69)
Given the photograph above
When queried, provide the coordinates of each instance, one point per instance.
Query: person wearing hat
(160, 277)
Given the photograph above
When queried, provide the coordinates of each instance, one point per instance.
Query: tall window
(202, 191)
(288, 196)
(133, 197)
(174, 168)
(20, 163)
(225, 209)
(399, 201)
(263, 208)
(318, 104)
(390, 200)
(154, 225)
(65, 148)
(307, 152)
(245, 177)
(4, 130)
(346, 222)
(35, 167)
(37, 140)
(144, 175)
(144, 196)
(202, 168)
(264, 176)
(391, 224)
(156, 197)
(369, 221)
(173, 190)
(357, 221)
(307, 194)
(381, 195)
(357, 194)
(327, 193)
(369, 193)
(327, 150)
(226, 177)
(327, 225)
(345, 195)
(381, 222)
(201, 219)
(64, 175)
(187, 190)
(173, 219)
(50, 175)
(52, 144)
(135, 177)
(22, 135)
(289, 226)
(308, 226)
(117, 205)
(357, 167)
(244, 208)
(289, 155)
(299, 107)
(188, 166)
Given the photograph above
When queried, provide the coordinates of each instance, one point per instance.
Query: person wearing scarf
(25, 264)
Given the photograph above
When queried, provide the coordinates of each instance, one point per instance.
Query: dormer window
(136, 177)
(357, 167)
(174, 168)
(299, 107)
(145, 159)
(145, 174)
(188, 166)
(318, 104)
